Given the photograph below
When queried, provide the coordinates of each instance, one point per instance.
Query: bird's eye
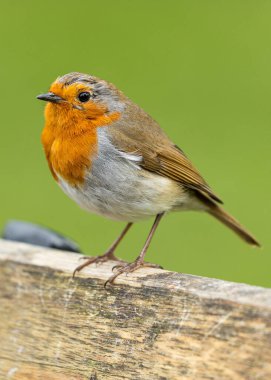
(84, 96)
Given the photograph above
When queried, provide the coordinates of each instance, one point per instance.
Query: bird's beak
(50, 97)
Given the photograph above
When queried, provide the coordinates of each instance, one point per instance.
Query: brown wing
(172, 163)
(143, 136)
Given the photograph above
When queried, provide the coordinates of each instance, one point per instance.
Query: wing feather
(159, 154)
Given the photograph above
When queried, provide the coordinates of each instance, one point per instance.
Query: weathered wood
(152, 324)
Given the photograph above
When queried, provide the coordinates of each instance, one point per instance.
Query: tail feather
(232, 223)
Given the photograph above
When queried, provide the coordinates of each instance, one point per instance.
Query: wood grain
(152, 325)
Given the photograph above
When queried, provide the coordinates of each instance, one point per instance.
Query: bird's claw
(128, 268)
(95, 260)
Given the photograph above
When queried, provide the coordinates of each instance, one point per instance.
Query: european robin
(113, 159)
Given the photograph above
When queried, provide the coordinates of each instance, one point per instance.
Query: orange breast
(70, 141)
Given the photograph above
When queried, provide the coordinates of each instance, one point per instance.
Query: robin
(113, 159)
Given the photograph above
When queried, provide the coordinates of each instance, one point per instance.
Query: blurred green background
(201, 68)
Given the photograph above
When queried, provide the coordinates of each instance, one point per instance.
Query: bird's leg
(139, 261)
(108, 255)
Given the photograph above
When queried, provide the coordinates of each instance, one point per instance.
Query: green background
(201, 68)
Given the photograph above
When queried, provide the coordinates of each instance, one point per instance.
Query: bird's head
(76, 96)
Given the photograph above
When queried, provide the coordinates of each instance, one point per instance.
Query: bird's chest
(109, 182)
(70, 157)
(116, 187)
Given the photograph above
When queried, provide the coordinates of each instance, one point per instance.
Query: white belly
(118, 188)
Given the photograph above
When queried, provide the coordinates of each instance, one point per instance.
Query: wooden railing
(151, 325)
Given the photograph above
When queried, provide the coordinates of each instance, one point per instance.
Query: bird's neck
(70, 142)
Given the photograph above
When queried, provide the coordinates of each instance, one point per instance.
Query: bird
(113, 159)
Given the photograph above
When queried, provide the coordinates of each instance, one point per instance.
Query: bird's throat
(70, 143)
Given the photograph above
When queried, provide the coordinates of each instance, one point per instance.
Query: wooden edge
(156, 278)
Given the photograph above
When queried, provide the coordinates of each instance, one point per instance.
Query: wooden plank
(152, 324)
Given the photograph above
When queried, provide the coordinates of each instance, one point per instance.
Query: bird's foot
(129, 268)
(109, 255)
